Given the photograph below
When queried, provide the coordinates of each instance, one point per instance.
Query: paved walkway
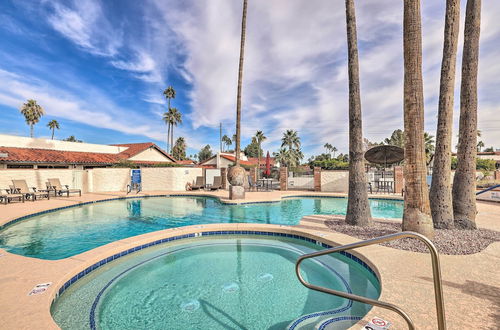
(471, 283)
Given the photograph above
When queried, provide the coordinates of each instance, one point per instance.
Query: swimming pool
(233, 282)
(64, 233)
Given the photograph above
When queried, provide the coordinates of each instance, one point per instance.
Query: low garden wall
(104, 179)
(335, 181)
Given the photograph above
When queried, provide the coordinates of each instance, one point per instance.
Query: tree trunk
(358, 208)
(240, 82)
(52, 134)
(168, 138)
(440, 193)
(416, 215)
(172, 139)
(31, 130)
(464, 183)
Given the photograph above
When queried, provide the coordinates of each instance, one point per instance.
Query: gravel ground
(446, 241)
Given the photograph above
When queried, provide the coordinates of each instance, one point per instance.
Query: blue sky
(99, 68)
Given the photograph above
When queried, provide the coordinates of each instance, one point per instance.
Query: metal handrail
(436, 271)
(487, 189)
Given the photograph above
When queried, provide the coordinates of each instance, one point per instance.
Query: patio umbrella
(385, 155)
(267, 171)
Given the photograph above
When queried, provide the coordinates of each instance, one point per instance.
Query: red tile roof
(233, 159)
(186, 162)
(30, 155)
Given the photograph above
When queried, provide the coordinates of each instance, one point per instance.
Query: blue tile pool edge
(104, 261)
(24, 217)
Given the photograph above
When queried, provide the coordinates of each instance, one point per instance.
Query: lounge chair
(9, 196)
(217, 183)
(21, 187)
(57, 188)
(198, 184)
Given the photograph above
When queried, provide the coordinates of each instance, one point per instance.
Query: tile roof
(28, 155)
(32, 155)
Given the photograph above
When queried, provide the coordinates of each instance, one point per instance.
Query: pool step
(337, 319)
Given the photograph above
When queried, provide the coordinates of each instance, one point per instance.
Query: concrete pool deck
(471, 282)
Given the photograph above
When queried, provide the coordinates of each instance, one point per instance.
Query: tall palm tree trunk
(240, 81)
(416, 214)
(168, 138)
(53, 133)
(172, 139)
(31, 130)
(358, 208)
(464, 183)
(440, 193)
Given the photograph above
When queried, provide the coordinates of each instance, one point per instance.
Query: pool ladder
(436, 272)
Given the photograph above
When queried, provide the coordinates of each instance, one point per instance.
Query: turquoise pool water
(67, 232)
(236, 282)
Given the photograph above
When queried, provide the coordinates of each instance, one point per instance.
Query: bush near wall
(481, 164)
(331, 164)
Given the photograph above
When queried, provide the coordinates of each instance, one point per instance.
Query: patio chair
(9, 196)
(198, 184)
(253, 185)
(57, 187)
(21, 187)
(217, 183)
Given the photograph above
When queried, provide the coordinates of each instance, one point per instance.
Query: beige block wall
(335, 181)
(109, 179)
(37, 178)
(168, 178)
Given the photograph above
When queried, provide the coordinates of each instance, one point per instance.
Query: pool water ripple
(67, 232)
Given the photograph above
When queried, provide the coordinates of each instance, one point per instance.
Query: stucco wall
(109, 179)
(168, 178)
(38, 178)
(335, 181)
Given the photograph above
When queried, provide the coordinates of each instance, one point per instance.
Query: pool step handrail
(436, 272)
(487, 189)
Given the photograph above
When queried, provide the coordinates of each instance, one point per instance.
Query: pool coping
(19, 274)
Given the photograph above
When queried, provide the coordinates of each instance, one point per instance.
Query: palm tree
(167, 118)
(480, 145)
(32, 113)
(169, 93)
(290, 139)
(416, 215)
(440, 193)
(226, 141)
(464, 181)
(281, 156)
(259, 138)
(358, 207)
(53, 125)
(179, 150)
(429, 147)
(240, 82)
(175, 118)
(328, 147)
(334, 149)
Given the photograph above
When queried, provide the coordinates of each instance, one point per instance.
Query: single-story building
(24, 152)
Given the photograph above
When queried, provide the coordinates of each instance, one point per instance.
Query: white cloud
(85, 24)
